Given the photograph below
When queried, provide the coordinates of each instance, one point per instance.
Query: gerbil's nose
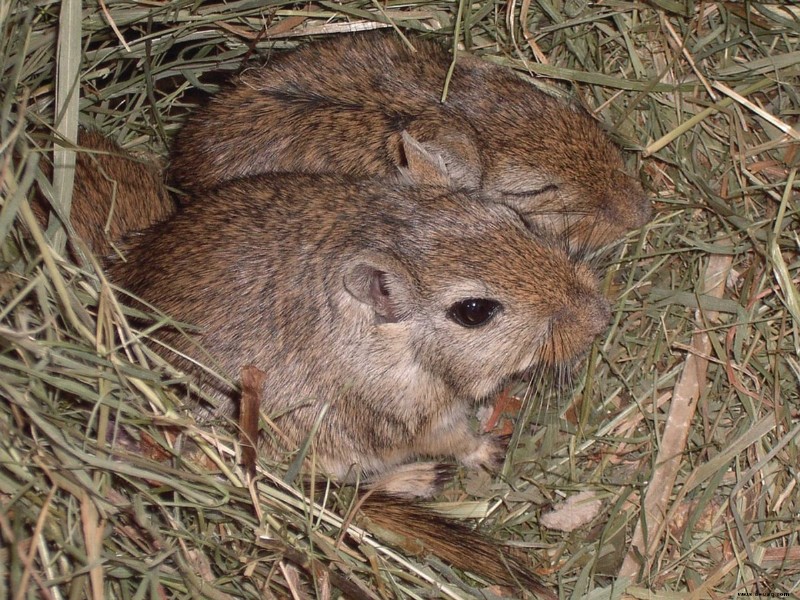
(627, 203)
(588, 315)
(577, 325)
(598, 314)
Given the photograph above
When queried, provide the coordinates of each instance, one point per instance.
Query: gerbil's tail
(418, 530)
(115, 193)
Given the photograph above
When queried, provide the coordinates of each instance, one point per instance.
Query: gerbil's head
(553, 164)
(475, 296)
(545, 157)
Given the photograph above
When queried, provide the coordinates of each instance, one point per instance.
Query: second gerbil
(368, 105)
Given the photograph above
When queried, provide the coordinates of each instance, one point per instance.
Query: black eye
(473, 312)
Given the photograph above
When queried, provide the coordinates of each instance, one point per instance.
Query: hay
(682, 436)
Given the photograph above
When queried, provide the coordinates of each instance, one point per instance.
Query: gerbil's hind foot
(490, 453)
(420, 531)
(413, 480)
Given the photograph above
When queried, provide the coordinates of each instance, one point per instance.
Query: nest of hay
(669, 469)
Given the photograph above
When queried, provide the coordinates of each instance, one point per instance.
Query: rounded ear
(450, 159)
(382, 283)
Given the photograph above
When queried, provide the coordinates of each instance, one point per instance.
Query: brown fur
(114, 193)
(342, 105)
(425, 532)
(339, 291)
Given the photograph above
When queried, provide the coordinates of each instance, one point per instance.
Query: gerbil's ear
(381, 283)
(449, 160)
(424, 164)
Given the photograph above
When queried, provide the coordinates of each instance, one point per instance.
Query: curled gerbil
(389, 309)
(369, 105)
(378, 315)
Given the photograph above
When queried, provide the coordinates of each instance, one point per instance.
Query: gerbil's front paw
(489, 455)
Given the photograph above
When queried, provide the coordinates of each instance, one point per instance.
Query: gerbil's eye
(473, 312)
(525, 193)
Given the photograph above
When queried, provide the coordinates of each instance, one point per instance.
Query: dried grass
(685, 427)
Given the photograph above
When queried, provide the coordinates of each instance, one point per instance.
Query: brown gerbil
(379, 314)
(342, 105)
(388, 309)
(114, 193)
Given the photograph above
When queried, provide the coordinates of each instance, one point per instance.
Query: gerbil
(391, 309)
(342, 105)
(114, 193)
(380, 311)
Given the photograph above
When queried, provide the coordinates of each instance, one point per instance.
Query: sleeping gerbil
(368, 105)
